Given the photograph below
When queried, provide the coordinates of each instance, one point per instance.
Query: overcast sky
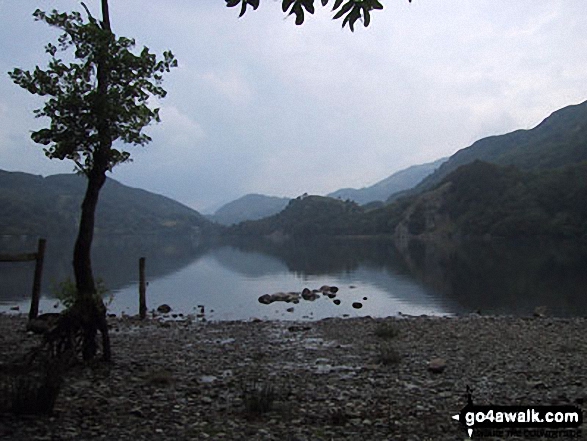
(260, 105)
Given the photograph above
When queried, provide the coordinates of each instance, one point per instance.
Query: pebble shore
(333, 379)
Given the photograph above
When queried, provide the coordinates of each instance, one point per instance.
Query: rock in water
(357, 305)
(265, 299)
(164, 308)
(309, 295)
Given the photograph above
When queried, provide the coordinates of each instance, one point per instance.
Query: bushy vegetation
(506, 202)
(307, 216)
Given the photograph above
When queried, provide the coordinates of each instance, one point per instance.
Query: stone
(164, 308)
(336, 301)
(265, 299)
(437, 365)
(357, 305)
(309, 295)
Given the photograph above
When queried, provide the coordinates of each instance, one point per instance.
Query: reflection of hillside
(327, 256)
(248, 263)
(115, 260)
(504, 278)
(368, 263)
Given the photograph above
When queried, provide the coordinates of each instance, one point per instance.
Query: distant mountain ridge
(560, 139)
(249, 207)
(256, 206)
(34, 205)
(382, 190)
(528, 183)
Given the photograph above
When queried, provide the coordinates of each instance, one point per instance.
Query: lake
(227, 279)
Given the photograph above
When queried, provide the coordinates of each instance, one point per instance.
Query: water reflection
(499, 277)
(228, 278)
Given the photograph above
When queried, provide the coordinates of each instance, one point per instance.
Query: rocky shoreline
(334, 379)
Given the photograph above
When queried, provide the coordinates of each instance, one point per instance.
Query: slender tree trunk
(90, 307)
(82, 262)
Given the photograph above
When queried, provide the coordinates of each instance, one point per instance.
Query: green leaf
(347, 7)
(309, 5)
(286, 4)
(376, 4)
(297, 9)
(337, 4)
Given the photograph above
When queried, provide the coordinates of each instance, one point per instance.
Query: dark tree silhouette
(351, 10)
(93, 101)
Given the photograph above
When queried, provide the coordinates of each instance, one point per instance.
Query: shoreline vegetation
(342, 379)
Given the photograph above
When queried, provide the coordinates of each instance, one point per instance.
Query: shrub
(258, 398)
(386, 331)
(388, 355)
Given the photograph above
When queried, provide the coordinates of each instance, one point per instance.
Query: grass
(388, 355)
(258, 398)
(386, 331)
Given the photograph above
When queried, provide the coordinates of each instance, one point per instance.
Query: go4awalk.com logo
(550, 422)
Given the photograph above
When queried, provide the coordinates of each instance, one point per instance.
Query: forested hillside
(487, 200)
(51, 206)
(561, 139)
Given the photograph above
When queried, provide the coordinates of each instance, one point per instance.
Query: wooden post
(34, 311)
(142, 290)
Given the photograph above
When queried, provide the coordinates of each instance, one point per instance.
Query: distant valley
(397, 182)
(527, 183)
(248, 207)
(256, 206)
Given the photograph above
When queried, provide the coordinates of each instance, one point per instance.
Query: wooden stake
(142, 290)
(40, 257)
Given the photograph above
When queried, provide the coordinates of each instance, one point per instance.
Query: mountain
(249, 207)
(305, 216)
(34, 205)
(400, 181)
(559, 140)
(481, 199)
(528, 183)
(256, 206)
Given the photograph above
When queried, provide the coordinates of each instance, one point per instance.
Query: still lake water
(228, 279)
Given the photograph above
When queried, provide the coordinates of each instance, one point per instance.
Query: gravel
(334, 379)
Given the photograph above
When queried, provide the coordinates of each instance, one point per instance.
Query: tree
(98, 98)
(351, 10)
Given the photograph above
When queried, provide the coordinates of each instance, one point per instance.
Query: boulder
(288, 297)
(265, 299)
(309, 295)
(164, 308)
(357, 305)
